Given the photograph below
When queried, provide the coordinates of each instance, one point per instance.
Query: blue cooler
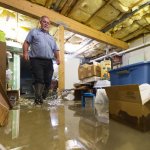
(138, 73)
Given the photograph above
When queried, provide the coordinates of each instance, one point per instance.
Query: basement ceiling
(121, 19)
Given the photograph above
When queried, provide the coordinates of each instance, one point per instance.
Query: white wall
(71, 72)
(139, 55)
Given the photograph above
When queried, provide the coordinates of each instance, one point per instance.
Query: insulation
(138, 16)
(119, 6)
(125, 31)
(89, 7)
(108, 13)
(97, 23)
(148, 27)
(143, 2)
(84, 9)
(129, 3)
(127, 23)
(145, 20)
(147, 9)
(134, 34)
(79, 15)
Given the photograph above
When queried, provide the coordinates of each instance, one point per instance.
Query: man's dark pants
(42, 70)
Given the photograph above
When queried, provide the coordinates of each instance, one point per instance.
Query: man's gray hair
(43, 18)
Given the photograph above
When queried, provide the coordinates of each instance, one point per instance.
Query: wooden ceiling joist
(36, 11)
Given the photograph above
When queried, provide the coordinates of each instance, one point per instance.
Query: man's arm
(56, 54)
(25, 50)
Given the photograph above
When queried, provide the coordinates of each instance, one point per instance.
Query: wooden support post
(61, 82)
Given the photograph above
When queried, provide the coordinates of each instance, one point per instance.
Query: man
(42, 48)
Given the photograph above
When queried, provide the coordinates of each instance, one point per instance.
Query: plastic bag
(101, 96)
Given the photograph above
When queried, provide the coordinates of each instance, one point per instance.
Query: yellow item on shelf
(2, 36)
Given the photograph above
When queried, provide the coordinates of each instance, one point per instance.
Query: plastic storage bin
(138, 73)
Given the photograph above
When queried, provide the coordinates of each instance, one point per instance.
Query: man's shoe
(37, 101)
(45, 93)
(41, 101)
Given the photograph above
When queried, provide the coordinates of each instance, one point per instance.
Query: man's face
(45, 23)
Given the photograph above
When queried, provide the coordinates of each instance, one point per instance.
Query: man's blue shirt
(42, 44)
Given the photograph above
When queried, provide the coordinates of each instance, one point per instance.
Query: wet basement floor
(65, 125)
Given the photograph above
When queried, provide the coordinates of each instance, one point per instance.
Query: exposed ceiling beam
(68, 7)
(37, 11)
(56, 6)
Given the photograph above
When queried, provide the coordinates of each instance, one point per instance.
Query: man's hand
(56, 54)
(25, 50)
(26, 56)
(57, 61)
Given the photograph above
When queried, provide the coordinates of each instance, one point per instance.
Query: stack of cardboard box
(86, 70)
(95, 69)
(82, 71)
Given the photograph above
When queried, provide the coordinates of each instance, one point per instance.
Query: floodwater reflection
(65, 125)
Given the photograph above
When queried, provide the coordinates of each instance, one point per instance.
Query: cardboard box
(93, 70)
(125, 106)
(86, 71)
(4, 106)
(105, 68)
(82, 71)
(4, 111)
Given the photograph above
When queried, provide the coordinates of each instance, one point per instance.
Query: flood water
(65, 125)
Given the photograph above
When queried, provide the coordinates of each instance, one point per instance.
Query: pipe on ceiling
(122, 52)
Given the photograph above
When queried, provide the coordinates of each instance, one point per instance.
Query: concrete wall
(139, 55)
